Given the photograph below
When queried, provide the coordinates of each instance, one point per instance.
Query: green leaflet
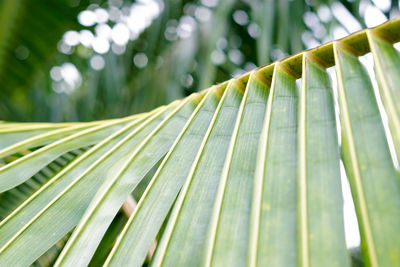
(273, 215)
(187, 226)
(67, 196)
(153, 207)
(40, 139)
(11, 134)
(25, 167)
(368, 163)
(387, 62)
(117, 186)
(229, 227)
(319, 193)
(11, 199)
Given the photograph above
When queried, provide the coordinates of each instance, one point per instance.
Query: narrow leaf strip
(319, 194)
(273, 218)
(68, 202)
(387, 62)
(32, 205)
(227, 239)
(118, 186)
(140, 231)
(368, 163)
(22, 169)
(303, 236)
(187, 228)
(43, 139)
(12, 133)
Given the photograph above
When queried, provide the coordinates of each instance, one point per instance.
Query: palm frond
(247, 171)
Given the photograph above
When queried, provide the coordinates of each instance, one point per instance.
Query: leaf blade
(144, 224)
(228, 231)
(320, 203)
(117, 188)
(274, 206)
(376, 200)
(215, 142)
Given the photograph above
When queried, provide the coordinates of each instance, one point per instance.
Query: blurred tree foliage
(81, 60)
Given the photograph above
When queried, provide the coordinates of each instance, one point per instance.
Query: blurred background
(82, 60)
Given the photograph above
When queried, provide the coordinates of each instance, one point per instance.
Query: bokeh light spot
(140, 60)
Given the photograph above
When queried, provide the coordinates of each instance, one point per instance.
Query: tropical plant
(245, 172)
(29, 34)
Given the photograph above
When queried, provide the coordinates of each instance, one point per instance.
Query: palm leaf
(247, 171)
(11, 199)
